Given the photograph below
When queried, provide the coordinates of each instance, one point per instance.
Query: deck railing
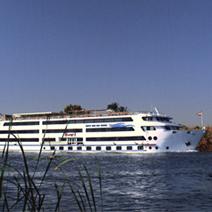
(67, 116)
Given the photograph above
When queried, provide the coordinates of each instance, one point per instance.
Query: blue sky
(139, 53)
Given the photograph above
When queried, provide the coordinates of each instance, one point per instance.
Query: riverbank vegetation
(205, 144)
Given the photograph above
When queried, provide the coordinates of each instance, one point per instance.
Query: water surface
(132, 182)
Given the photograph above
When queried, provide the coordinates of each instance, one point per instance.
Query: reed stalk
(28, 191)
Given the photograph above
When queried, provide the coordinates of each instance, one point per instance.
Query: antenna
(156, 110)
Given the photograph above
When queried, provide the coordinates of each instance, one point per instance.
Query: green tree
(71, 107)
(122, 109)
(116, 108)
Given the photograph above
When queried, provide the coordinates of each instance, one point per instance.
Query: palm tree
(71, 107)
(122, 109)
(115, 107)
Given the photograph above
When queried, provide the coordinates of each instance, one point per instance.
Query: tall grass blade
(5, 154)
(8, 137)
(63, 163)
(3, 170)
(100, 184)
(41, 148)
(82, 200)
(59, 195)
(91, 188)
(75, 196)
(85, 189)
(5, 201)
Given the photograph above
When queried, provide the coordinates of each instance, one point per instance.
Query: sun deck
(72, 114)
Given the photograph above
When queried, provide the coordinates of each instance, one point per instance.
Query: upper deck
(76, 114)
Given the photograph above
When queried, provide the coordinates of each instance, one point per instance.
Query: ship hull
(97, 133)
(182, 141)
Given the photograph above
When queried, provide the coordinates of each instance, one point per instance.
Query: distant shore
(205, 144)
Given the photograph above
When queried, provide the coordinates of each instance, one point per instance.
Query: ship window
(118, 148)
(150, 138)
(127, 119)
(117, 119)
(156, 147)
(61, 148)
(163, 119)
(99, 120)
(140, 147)
(79, 121)
(98, 148)
(167, 147)
(70, 148)
(148, 128)
(129, 148)
(20, 139)
(113, 129)
(79, 148)
(167, 128)
(62, 139)
(72, 121)
(89, 121)
(21, 123)
(155, 138)
(19, 131)
(150, 147)
(54, 122)
(147, 118)
(133, 138)
(49, 139)
(79, 139)
(108, 147)
(62, 131)
(88, 147)
(108, 120)
(52, 148)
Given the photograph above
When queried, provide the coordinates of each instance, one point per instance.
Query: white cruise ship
(96, 131)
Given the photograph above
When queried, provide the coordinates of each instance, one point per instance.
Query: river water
(130, 182)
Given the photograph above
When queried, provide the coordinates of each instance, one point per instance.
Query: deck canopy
(82, 112)
(38, 114)
(5, 117)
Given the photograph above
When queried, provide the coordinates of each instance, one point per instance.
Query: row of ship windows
(79, 121)
(98, 148)
(117, 129)
(37, 131)
(132, 138)
(21, 123)
(150, 128)
(108, 148)
(149, 118)
(113, 129)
